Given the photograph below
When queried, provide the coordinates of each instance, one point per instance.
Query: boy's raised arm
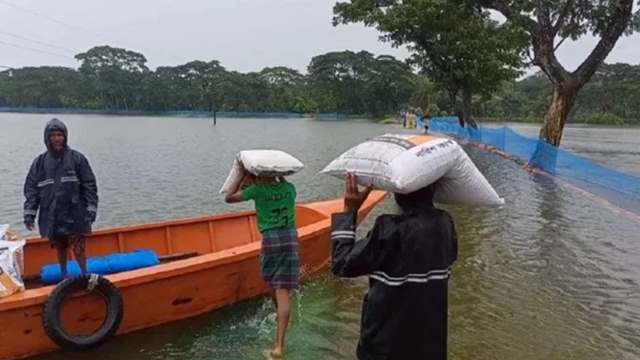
(236, 196)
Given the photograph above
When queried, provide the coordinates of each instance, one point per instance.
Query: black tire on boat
(53, 323)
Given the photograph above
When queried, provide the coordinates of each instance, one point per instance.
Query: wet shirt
(275, 204)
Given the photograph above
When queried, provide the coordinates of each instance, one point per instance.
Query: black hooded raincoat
(407, 258)
(62, 188)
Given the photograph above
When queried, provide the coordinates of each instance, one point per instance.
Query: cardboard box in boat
(8, 285)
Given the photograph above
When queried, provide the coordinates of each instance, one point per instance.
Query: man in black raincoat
(407, 258)
(62, 188)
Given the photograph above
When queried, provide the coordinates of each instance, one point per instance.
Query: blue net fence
(615, 186)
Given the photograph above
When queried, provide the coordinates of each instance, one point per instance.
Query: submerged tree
(548, 24)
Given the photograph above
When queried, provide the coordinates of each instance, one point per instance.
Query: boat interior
(171, 240)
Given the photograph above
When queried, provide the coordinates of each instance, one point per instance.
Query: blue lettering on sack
(430, 149)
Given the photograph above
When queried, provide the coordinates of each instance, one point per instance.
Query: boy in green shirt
(275, 200)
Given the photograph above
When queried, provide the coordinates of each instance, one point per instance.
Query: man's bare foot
(276, 352)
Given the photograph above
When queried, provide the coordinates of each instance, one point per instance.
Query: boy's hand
(235, 196)
(353, 197)
(246, 180)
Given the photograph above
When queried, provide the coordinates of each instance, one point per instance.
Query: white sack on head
(406, 163)
(261, 163)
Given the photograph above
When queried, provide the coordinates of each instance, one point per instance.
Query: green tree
(156, 92)
(389, 85)
(424, 94)
(115, 74)
(47, 87)
(612, 96)
(548, 24)
(614, 89)
(338, 80)
(247, 92)
(454, 43)
(205, 82)
(287, 88)
(359, 83)
(526, 99)
(173, 88)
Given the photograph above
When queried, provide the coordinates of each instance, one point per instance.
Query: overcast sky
(244, 35)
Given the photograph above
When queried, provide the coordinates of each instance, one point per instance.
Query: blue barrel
(103, 265)
(120, 262)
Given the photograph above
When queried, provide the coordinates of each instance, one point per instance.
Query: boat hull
(167, 292)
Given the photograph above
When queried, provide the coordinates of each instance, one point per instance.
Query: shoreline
(267, 115)
(331, 116)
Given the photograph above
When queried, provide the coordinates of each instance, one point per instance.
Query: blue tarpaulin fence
(613, 185)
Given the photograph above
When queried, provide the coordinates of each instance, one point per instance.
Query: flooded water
(615, 147)
(551, 275)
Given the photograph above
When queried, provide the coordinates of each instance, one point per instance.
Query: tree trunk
(453, 94)
(466, 107)
(543, 33)
(545, 156)
(213, 109)
(561, 103)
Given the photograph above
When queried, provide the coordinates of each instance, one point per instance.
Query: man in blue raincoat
(61, 189)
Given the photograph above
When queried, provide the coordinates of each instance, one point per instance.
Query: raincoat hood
(52, 125)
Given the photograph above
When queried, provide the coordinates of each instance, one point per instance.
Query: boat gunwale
(162, 223)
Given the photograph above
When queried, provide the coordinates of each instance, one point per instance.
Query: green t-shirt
(275, 204)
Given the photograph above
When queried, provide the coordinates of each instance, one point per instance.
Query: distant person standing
(426, 120)
(62, 188)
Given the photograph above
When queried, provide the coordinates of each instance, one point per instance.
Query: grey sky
(245, 35)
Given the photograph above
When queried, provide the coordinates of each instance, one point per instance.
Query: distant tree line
(345, 82)
(611, 97)
(112, 78)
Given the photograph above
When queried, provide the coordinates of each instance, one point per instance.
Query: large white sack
(11, 260)
(406, 163)
(261, 163)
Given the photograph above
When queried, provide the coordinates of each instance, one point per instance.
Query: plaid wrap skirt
(280, 259)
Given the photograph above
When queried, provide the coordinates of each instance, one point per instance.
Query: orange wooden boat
(225, 271)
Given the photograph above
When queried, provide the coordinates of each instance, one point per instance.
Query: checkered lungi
(280, 259)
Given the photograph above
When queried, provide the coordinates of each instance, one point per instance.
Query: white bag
(11, 260)
(406, 163)
(261, 163)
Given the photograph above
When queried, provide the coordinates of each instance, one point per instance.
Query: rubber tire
(53, 324)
